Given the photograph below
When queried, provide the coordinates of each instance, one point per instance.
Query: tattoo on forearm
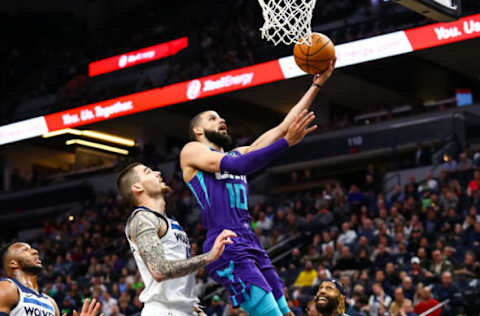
(144, 229)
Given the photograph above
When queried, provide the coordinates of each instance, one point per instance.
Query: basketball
(314, 59)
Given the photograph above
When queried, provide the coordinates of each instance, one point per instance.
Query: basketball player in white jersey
(160, 246)
(19, 292)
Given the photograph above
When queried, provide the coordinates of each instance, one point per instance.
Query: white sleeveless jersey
(31, 303)
(174, 294)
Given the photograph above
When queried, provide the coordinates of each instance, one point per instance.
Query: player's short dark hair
(4, 252)
(193, 123)
(126, 177)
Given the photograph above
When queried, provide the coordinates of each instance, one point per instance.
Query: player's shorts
(159, 309)
(243, 264)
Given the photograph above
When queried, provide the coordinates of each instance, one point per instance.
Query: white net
(287, 21)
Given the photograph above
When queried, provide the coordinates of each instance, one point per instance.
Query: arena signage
(444, 33)
(23, 130)
(377, 47)
(140, 56)
(172, 94)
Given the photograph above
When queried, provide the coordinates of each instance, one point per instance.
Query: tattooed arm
(146, 229)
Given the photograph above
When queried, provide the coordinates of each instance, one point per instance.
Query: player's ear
(137, 188)
(198, 131)
(12, 264)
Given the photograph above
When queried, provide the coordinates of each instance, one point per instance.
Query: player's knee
(268, 306)
(261, 303)
(283, 305)
(255, 297)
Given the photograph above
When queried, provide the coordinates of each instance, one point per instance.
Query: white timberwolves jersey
(31, 303)
(170, 297)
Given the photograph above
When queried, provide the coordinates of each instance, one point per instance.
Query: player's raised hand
(91, 309)
(222, 240)
(323, 76)
(299, 127)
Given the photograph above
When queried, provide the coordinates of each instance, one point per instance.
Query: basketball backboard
(438, 10)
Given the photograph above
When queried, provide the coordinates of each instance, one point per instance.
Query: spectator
(108, 304)
(346, 262)
(422, 155)
(397, 195)
(475, 183)
(417, 272)
(381, 256)
(407, 309)
(427, 302)
(469, 268)
(430, 184)
(439, 264)
(397, 304)
(378, 300)
(116, 311)
(307, 276)
(448, 290)
(125, 307)
(348, 235)
(408, 289)
(391, 275)
(355, 197)
(464, 163)
(264, 223)
(450, 165)
(322, 274)
(217, 308)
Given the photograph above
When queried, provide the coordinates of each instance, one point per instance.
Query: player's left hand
(323, 76)
(199, 311)
(91, 309)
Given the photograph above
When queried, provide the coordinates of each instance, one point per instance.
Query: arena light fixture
(109, 138)
(97, 146)
(93, 134)
(62, 132)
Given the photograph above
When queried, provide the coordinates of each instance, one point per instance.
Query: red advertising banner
(443, 33)
(140, 56)
(382, 46)
(180, 92)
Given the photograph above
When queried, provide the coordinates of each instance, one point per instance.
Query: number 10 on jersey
(238, 195)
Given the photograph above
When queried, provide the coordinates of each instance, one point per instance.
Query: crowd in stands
(397, 254)
(58, 68)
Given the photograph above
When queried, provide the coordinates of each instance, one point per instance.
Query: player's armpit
(199, 156)
(8, 297)
(145, 228)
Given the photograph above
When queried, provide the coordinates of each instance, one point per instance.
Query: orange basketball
(314, 59)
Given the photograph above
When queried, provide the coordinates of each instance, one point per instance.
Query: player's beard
(155, 189)
(216, 138)
(328, 308)
(30, 268)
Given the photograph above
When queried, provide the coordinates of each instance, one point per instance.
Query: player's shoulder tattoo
(146, 229)
(145, 222)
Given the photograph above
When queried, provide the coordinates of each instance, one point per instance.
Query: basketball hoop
(287, 21)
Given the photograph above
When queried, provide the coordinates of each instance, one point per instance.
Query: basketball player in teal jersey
(19, 292)
(218, 180)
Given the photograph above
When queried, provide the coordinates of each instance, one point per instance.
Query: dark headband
(337, 284)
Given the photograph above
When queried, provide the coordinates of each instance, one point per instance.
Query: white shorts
(159, 309)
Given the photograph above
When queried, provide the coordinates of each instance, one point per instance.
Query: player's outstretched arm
(8, 297)
(280, 130)
(196, 156)
(146, 229)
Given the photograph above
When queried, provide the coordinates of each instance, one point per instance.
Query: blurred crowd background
(398, 251)
(417, 247)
